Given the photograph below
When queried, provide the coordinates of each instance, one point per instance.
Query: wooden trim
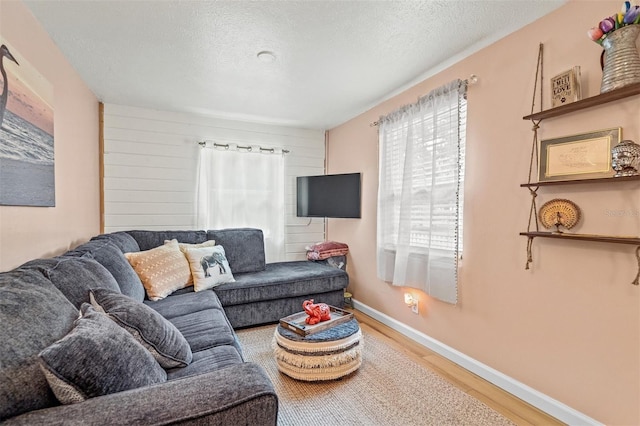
(568, 182)
(101, 162)
(602, 98)
(584, 237)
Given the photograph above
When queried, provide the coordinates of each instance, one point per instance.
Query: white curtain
(420, 191)
(238, 189)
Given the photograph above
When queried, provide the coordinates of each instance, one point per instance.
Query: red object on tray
(317, 312)
(327, 249)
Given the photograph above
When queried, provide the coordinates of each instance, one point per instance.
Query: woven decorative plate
(559, 212)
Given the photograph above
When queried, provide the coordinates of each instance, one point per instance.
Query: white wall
(151, 159)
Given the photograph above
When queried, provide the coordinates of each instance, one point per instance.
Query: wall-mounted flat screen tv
(329, 196)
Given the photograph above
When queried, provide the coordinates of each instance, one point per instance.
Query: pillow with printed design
(209, 267)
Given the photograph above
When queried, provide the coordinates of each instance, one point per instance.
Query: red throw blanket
(326, 249)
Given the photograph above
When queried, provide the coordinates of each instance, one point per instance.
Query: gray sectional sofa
(39, 308)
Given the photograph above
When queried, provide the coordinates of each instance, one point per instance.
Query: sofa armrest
(236, 395)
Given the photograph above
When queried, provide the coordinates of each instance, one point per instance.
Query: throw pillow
(97, 358)
(184, 246)
(162, 270)
(209, 267)
(165, 342)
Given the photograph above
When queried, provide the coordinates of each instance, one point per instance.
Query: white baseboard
(539, 400)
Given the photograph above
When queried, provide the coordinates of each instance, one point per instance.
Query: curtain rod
(473, 79)
(249, 148)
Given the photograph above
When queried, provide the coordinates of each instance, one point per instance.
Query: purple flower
(607, 24)
(631, 15)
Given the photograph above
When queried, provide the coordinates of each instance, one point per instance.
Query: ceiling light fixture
(266, 56)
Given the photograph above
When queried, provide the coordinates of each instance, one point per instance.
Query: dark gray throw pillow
(110, 256)
(165, 342)
(97, 358)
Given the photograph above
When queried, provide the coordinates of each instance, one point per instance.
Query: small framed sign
(583, 156)
(565, 87)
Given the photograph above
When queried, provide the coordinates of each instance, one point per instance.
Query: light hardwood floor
(503, 402)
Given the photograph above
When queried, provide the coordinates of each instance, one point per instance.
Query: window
(420, 192)
(239, 189)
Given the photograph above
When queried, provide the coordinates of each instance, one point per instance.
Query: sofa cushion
(162, 269)
(97, 358)
(33, 315)
(244, 248)
(179, 304)
(150, 239)
(205, 329)
(75, 276)
(282, 280)
(207, 360)
(209, 267)
(167, 345)
(125, 242)
(112, 258)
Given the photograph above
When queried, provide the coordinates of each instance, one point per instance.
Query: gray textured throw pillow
(97, 358)
(165, 342)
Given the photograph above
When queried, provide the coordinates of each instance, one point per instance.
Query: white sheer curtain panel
(421, 162)
(243, 189)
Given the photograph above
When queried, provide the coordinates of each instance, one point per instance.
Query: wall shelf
(600, 99)
(584, 237)
(593, 101)
(577, 181)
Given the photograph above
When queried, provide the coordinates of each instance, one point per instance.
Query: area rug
(388, 389)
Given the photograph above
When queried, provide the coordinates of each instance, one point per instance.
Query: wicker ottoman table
(326, 355)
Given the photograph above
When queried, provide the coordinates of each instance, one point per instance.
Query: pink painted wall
(30, 232)
(570, 326)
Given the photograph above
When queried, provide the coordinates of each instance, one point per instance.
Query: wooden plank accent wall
(151, 160)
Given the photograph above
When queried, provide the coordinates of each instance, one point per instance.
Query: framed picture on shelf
(583, 156)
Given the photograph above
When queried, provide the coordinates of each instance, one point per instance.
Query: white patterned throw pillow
(209, 267)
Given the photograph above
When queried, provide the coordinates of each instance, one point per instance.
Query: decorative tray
(295, 322)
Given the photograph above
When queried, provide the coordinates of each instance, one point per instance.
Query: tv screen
(329, 196)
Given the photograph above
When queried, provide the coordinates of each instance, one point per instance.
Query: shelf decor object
(583, 156)
(625, 159)
(566, 88)
(620, 61)
(559, 212)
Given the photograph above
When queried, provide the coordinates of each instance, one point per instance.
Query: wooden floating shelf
(600, 99)
(584, 237)
(576, 181)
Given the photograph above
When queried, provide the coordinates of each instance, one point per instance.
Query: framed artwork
(27, 173)
(583, 156)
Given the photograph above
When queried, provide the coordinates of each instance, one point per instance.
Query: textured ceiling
(334, 59)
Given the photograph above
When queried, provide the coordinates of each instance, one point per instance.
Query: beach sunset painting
(27, 173)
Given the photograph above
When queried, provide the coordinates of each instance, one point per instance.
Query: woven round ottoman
(326, 355)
